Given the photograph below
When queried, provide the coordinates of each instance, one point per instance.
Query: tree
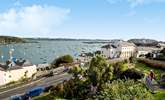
(98, 52)
(163, 51)
(99, 70)
(61, 60)
(132, 59)
(149, 55)
(98, 82)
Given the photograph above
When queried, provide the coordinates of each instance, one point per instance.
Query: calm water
(46, 51)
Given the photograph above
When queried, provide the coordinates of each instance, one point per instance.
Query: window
(5, 74)
(9, 76)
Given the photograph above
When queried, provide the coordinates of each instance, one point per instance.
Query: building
(109, 51)
(161, 45)
(142, 51)
(15, 71)
(126, 49)
(119, 49)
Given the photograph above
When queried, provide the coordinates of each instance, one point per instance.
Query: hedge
(153, 63)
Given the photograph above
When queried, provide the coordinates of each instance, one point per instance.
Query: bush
(99, 70)
(153, 63)
(70, 89)
(12, 82)
(61, 60)
(132, 74)
(119, 68)
(124, 90)
(160, 57)
(132, 59)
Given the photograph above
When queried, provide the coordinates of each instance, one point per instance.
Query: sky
(85, 19)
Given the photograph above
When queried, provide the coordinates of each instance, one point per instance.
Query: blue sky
(92, 19)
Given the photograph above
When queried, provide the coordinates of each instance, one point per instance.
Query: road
(42, 82)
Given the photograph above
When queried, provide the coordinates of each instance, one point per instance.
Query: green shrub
(12, 82)
(153, 63)
(61, 60)
(132, 74)
(119, 68)
(124, 90)
(132, 60)
(99, 70)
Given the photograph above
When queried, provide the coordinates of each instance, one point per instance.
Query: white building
(161, 45)
(126, 49)
(15, 72)
(119, 49)
(142, 51)
(109, 51)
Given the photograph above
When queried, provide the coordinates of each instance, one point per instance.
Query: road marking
(30, 83)
(21, 86)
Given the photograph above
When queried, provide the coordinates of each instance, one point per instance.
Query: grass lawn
(160, 95)
(146, 69)
(41, 97)
(124, 67)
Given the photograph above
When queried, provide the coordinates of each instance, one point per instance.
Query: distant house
(161, 45)
(119, 49)
(14, 72)
(143, 51)
(85, 57)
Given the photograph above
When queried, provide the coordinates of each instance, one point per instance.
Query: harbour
(44, 51)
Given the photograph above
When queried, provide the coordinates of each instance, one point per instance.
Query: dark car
(35, 91)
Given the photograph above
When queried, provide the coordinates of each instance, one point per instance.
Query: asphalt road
(5, 95)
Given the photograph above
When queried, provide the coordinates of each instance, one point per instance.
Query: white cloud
(135, 3)
(32, 20)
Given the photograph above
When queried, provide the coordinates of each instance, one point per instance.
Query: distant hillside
(9, 40)
(64, 39)
(144, 42)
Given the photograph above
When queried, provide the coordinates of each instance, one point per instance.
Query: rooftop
(15, 65)
(147, 48)
(108, 46)
(124, 44)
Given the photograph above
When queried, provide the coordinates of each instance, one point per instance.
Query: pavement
(53, 80)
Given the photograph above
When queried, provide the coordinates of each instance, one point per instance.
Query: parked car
(35, 91)
(49, 74)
